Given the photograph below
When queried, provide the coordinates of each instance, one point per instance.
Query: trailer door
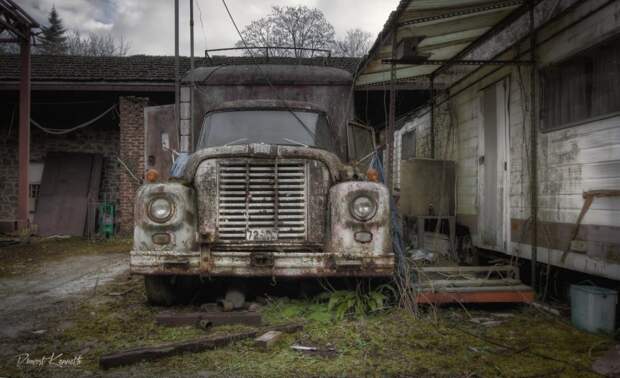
(494, 220)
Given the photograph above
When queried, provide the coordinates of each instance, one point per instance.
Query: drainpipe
(534, 149)
(432, 116)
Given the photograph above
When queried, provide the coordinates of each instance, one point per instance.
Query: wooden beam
(215, 318)
(24, 136)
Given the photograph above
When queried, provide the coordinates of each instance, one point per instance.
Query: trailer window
(582, 88)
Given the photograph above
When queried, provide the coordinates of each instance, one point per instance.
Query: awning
(433, 31)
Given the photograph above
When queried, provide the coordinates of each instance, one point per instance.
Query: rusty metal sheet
(63, 199)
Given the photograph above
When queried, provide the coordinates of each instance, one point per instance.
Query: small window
(582, 88)
(407, 146)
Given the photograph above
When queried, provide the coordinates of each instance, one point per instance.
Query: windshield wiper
(235, 141)
(295, 142)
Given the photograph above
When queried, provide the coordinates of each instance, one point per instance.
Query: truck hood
(333, 163)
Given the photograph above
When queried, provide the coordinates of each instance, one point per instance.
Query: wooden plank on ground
(174, 319)
(136, 355)
(131, 356)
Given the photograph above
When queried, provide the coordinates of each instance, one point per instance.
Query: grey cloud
(149, 25)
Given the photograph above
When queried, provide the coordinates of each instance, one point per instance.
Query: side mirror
(360, 144)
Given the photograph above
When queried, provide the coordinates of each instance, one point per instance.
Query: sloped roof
(446, 28)
(136, 68)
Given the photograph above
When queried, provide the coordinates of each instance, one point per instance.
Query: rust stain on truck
(267, 190)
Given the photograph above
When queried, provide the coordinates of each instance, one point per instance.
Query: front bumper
(257, 264)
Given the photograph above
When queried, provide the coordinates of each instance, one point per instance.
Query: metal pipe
(24, 134)
(191, 65)
(432, 116)
(177, 83)
(534, 148)
(389, 137)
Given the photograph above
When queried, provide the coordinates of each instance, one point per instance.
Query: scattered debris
(210, 307)
(216, 318)
(609, 364)
(487, 322)
(253, 307)
(236, 298)
(39, 332)
(205, 324)
(546, 308)
(328, 351)
(266, 340)
(422, 255)
(226, 305)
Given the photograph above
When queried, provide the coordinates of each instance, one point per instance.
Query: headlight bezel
(370, 215)
(150, 214)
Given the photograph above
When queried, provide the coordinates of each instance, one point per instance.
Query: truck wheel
(468, 253)
(159, 290)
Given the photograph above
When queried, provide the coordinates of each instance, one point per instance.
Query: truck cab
(266, 190)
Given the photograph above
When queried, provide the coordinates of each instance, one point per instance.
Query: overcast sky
(148, 25)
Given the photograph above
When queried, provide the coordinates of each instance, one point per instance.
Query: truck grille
(261, 197)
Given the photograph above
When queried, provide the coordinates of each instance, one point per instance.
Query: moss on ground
(27, 257)
(443, 342)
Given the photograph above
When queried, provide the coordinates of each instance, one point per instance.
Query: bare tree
(95, 45)
(355, 44)
(294, 27)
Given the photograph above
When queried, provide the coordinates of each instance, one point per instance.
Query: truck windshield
(297, 128)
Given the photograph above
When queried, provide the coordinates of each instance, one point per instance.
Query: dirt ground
(76, 298)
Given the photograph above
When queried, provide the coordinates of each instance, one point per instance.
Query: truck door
(161, 141)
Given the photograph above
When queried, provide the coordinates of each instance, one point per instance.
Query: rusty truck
(270, 186)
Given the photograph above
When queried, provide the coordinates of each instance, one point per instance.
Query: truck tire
(159, 290)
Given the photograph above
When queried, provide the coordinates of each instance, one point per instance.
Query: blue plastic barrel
(593, 309)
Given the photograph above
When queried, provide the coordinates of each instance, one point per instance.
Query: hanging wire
(80, 126)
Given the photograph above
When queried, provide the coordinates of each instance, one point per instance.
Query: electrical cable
(69, 130)
(265, 76)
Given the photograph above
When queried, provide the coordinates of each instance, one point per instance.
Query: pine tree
(53, 40)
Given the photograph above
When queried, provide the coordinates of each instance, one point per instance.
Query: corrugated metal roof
(446, 27)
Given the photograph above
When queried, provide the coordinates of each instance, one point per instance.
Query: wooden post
(24, 135)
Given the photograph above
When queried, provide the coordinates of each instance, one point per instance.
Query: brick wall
(99, 138)
(132, 154)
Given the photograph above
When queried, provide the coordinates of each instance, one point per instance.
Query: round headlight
(160, 209)
(363, 208)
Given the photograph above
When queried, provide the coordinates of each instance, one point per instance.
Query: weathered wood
(266, 340)
(216, 318)
(132, 356)
(136, 355)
